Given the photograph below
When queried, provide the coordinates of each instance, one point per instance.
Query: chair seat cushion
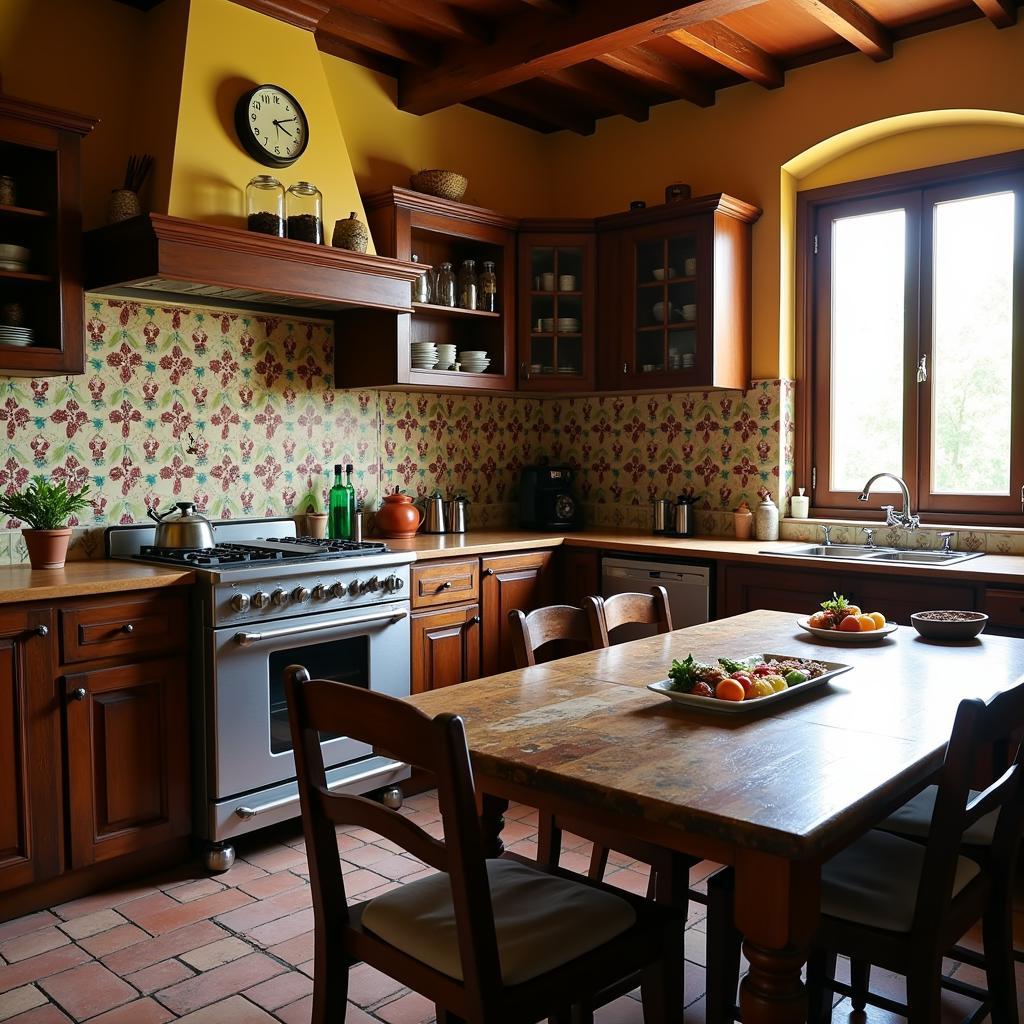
(541, 921)
(914, 818)
(874, 881)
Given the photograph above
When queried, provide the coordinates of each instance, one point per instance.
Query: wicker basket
(443, 184)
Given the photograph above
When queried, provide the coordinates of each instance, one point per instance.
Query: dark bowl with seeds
(949, 624)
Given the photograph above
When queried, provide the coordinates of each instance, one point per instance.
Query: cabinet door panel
(30, 807)
(127, 758)
(445, 647)
(510, 581)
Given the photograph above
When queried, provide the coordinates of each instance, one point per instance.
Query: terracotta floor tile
(92, 924)
(223, 951)
(280, 991)
(26, 924)
(41, 966)
(42, 940)
(294, 951)
(162, 975)
(105, 900)
(219, 983)
(301, 1012)
(140, 910)
(283, 929)
(367, 855)
(142, 1011)
(153, 951)
(257, 912)
(46, 1014)
(19, 1000)
(205, 907)
(85, 991)
(194, 889)
(629, 879)
(276, 858)
(408, 1009)
(362, 881)
(122, 937)
(516, 830)
(348, 842)
(623, 1010)
(367, 986)
(271, 885)
(394, 866)
(235, 1010)
(240, 872)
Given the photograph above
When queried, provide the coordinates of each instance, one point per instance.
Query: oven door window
(344, 661)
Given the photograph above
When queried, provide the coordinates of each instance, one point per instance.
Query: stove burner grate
(223, 554)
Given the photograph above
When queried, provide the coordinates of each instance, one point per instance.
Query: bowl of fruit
(735, 685)
(949, 624)
(842, 622)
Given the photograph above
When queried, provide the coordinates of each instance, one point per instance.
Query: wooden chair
(903, 905)
(606, 614)
(562, 624)
(488, 941)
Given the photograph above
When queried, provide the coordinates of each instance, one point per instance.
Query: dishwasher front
(688, 586)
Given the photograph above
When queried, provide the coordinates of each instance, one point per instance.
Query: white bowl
(472, 354)
(660, 275)
(14, 253)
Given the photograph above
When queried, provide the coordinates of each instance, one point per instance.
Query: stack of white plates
(14, 257)
(445, 356)
(15, 335)
(547, 324)
(424, 355)
(568, 325)
(473, 361)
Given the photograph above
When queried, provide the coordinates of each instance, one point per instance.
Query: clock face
(271, 126)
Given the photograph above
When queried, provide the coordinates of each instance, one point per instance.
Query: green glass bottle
(340, 524)
(350, 497)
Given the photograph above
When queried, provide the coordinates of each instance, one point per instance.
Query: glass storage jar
(305, 206)
(469, 286)
(444, 286)
(421, 286)
(488, 288)
(264, 205)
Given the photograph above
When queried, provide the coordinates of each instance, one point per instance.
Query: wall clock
(271, 125)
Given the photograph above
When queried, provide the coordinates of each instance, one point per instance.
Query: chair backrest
(435, 744)
(558, 622)
(608, 613)
(979, 725)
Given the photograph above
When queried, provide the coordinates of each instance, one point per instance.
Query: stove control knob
(279, 597)
(300, 594)
(240, 602)
(393, 583)
(260, 599)
(319, 592)
(355, 588)
(372, 585)
(336, 590)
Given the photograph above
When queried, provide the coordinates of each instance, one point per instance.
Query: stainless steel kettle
(182, 527)
(433, 513)
(455, 513)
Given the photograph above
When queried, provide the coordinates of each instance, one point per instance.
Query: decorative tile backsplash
(236, 411)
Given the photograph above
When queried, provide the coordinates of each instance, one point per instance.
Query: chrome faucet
(904, 517)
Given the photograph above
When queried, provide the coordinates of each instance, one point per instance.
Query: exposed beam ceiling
(1002, 13)
(854, 24)
(379, 37)
(586, 84)
(659, 73)
(532, 44)
(432, 16)
(720, 43)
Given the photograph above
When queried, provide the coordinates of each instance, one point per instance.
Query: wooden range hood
(156, 256)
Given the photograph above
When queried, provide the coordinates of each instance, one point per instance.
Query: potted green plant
(45, 507)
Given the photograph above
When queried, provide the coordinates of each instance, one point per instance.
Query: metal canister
(455, 514)
(685, 524)
(660, 506)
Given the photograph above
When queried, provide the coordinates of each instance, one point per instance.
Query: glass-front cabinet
(681, 317)
(557, 288)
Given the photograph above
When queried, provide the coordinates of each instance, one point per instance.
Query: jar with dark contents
(488, 288)
(305, 207)
(264, 205)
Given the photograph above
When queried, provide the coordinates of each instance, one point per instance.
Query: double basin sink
(863, 553)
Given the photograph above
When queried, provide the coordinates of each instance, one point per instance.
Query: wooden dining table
(774, 791)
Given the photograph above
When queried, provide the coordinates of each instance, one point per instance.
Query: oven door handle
(246, 639)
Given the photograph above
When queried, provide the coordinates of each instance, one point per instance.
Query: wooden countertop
(78, 579)
(986, 569)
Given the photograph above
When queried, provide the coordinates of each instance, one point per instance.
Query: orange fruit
(866, 623)
(730, 689)
(879, 619)
(853, 609)
(849, 625)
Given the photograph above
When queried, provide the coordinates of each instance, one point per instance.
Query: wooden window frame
(812, 375)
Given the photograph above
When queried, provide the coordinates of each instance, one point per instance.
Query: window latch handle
(922, 370)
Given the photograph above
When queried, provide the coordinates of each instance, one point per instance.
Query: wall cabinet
(523, 581)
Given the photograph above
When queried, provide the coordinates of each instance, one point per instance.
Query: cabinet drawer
(1005, 607)
(445, 583)
(127, 626)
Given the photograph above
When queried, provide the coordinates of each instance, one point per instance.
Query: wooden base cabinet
(523, 581)
(445, 647)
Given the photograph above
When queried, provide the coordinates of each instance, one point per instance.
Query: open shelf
(433, 310)
(670, 280)
(24, 275)
(22, 211)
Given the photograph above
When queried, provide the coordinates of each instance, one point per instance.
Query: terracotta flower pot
(398, 516)
(47, 549)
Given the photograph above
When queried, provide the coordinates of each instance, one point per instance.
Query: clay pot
(351, 234)
(124, 205)
(398, 516)
(316, 524)
(47, 549)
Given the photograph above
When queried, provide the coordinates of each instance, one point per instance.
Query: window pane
(868, 258)
(972, 345)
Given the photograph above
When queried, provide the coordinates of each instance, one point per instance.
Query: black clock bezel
(248, 141)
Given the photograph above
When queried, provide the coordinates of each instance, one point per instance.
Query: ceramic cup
(690, 267)
(567, 283)
(690, 311)
(547, 282)
(316, 524)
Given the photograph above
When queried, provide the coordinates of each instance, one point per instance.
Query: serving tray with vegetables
(737, 686)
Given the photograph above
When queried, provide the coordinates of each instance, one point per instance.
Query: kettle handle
(158, 517)
(422, 518)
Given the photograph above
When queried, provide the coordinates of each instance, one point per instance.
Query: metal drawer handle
(447, 585)
(127, 628)
(474, 621)
(79, 693)
(42, 631)
(245, 639)
(488, 572)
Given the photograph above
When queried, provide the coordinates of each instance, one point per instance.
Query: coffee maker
(546, 499)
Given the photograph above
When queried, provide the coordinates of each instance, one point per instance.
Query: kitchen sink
(863, 553)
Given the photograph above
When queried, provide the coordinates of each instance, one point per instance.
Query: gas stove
(273, 549)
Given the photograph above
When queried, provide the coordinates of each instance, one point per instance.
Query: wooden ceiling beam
(559, 7)
(854, 24)
(721, 44)
(1002, 13)
(378, 37)
(592, 87)
(540, 105)
(531, 43)
(304, 14)
(424, 16)
(658, 73)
